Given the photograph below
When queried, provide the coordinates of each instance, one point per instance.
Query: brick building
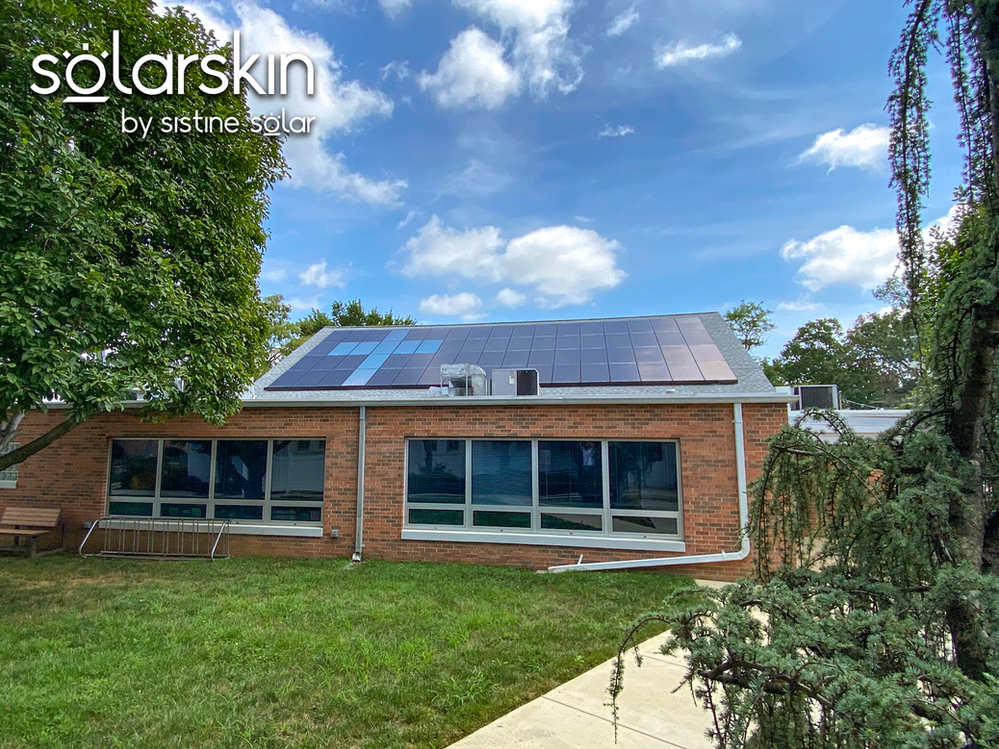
(637, 446)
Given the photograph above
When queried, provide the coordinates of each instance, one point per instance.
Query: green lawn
(282, 653)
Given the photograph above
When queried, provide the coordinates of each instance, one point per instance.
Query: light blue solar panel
(364, 348)
(407, 347)
(387, 347)
(343, 349)
(359, 377)
(429, 347)
(396, 335)
(374, 361)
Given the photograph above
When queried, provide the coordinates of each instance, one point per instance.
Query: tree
(880, 352)
(352, 314)
(814, 356)
(751, 323)
(876, 561)
(128, 263)
(280, 328)
(342, 315)
(872, 364)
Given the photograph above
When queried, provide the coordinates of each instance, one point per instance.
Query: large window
(576, 487)
(279, 481)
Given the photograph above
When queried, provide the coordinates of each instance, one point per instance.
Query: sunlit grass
(281, 653)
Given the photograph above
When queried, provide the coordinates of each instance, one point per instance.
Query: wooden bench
(30, 523)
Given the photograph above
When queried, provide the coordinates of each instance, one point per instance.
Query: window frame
(607, 535)
(266, 504)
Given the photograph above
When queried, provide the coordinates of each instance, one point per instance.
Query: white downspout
(722, 556)
(359, 527)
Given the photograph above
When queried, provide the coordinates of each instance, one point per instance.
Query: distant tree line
(873, 363)
(285, 335)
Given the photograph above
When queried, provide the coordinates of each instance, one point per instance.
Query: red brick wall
(72, 472)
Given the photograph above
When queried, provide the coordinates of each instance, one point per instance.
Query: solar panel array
(658, 350)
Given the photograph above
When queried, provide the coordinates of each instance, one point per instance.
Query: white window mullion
(159, 478)
(267, 481)
(468, 483)
(535, 488)
(605, 483)
(211, 480)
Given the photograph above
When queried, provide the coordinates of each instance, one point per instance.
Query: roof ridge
(521, 322)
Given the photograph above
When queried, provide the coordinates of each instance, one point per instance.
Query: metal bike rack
(160, 538)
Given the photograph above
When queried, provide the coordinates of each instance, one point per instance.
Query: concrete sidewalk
(577, 714)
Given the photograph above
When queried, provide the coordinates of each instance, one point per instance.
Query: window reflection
(501, 473)
(186, 468)
(643, 476)
(437, 471)
(240, 469)
(569, 474)
(298, 467)
(133, 468)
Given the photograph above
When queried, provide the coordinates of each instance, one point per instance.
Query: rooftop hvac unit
(515, 382)
(816, 396)
(464, 379)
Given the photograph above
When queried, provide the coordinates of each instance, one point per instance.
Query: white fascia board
(494, 400)
(522, 400)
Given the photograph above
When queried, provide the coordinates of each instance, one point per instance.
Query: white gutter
(722, 556)
(359, 527)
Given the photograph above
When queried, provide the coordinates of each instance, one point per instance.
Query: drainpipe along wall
(723, 556)
(359, 527)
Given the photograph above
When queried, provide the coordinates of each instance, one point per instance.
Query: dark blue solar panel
(593, 356)
(660, 350)
(351, 362)
(335, 378)
(515, 359)
(595, 373)
(566, 356)
(408, 377)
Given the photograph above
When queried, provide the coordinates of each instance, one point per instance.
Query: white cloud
(542, 53)
(472, 74)
(565, 264)
(394, 8)
(798, 305)
(274, 274)
(439, 250)
(584, 219)
(866, 147)
(681, 52)
(398, 68)
(478, 178)
(318, 275)
(845, 256)
(622, 22)
(511, 298)
(479, 72)
(409, 217)
(619, 131)
(462, 305)
(303, 306)
(338, 105)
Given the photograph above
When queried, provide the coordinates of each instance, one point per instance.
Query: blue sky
(543, 159)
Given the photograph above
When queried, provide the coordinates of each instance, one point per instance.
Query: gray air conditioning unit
(816, 396)
(515, 382)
